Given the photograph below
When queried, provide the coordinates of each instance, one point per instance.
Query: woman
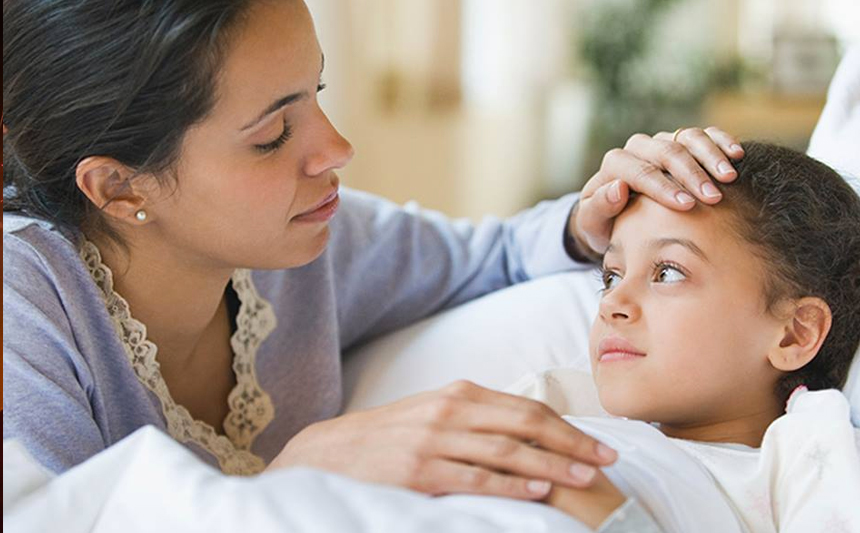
(174, 188)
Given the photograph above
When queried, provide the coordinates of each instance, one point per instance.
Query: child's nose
(618, 306)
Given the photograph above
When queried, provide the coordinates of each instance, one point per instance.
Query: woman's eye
(669, 274)
(277, 143)
(285, 135)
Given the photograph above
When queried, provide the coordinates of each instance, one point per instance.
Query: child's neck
(748, 428)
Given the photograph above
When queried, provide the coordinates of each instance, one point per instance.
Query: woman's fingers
(512, 455)
(595, 215)
(463, 438)
(681, 164)
(440, 476)
(674, 170)
(474, 408)
(712, 147)
(729, 144)
(642, 176)
(678, 160)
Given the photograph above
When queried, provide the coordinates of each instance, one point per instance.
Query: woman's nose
(332, 151)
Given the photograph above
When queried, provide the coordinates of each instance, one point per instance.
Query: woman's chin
(293, 254)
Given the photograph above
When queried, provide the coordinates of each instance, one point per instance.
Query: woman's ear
(108, 185)
(804, 332)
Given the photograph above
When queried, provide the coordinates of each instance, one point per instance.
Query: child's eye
(610, 280)
(666, 273)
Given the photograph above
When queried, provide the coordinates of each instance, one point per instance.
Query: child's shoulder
(830, 404)
(812, 456)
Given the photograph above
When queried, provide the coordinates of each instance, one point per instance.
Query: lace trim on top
(251, 408)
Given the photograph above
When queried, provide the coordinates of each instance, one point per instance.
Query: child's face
(686, 291)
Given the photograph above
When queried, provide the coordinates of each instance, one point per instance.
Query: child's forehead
(645, 220)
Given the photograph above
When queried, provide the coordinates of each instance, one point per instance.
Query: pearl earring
(140, 215)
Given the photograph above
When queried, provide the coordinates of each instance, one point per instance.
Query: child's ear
(805, 329)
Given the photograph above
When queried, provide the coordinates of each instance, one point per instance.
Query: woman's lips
(617, 349)
(323, 212)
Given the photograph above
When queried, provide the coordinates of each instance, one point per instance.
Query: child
(711, 325)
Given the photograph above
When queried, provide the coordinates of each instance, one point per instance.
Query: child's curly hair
(805, 221)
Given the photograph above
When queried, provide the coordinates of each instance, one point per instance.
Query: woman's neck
(174, 299)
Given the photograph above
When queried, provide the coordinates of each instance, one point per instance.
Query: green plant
(636, 87)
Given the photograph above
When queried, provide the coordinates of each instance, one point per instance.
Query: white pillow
(836, 135)
(529, 339)
(834, 142)
(493, 341)
(852, 390)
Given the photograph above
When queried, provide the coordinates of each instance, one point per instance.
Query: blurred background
(477, 107)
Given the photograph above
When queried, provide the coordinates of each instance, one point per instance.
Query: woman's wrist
(578, 250)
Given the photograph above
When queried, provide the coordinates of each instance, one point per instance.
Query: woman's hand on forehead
(675, 169)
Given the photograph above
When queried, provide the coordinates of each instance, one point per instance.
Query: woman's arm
(394, 265)
(46, 404)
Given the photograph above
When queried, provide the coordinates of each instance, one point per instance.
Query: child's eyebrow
(686, 243)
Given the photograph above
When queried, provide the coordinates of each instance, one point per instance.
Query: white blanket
(805, 477)
(148, 482)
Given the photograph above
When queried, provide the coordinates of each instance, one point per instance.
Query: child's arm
(603, 508)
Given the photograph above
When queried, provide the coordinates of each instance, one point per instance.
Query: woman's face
(685, 292)
(265, 156)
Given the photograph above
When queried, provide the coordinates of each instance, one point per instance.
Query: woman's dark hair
(804, 220)
(118, 78)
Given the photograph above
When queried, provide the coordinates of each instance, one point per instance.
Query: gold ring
(675, 135)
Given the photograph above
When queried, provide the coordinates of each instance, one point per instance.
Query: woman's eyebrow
(276, 105)
(686, 243)
(282, 102)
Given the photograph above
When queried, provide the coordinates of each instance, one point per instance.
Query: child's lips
(617, 349)
(618, 356)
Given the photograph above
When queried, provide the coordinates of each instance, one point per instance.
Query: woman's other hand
(460, 439)
(591, 505)
(673, 169)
